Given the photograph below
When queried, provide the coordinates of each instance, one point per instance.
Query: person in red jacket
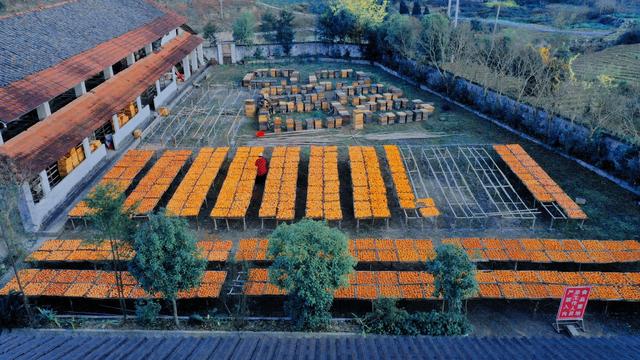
(262, 169)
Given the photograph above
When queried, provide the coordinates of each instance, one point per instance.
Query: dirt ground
(211, 116)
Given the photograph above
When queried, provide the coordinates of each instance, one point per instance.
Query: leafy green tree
(112, 222)
(311, 260)
(243, 29)
(338, 25)
(404, 9)
(167, 258)
(284, 32)
(402, 34)
(209, 32)
(454, 275)
(417, 9)
(434, 38)
(268, 25)
(11, 228)
(367, 12)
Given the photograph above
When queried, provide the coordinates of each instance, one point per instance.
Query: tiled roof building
(78, 77)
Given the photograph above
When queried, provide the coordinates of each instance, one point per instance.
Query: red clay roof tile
(49, 140)
(25, 95)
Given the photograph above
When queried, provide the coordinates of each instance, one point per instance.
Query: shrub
(440, 323)
(387, 319)
(12, 310)
(631, 36)
(147, 312)
(243, 29)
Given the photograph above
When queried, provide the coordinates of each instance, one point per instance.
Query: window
(140, 54)
(62, 100)
(94, 81)
(156, 45)
(35, 185)
(147, 96)
(102, 131)
(119, 66)
(53, 175)
(22, 124)
(165, 80)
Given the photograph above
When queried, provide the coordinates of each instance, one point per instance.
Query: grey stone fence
(299, 50)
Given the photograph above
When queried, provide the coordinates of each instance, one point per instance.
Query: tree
(209, 32)
(243, 29)
(454, 276)
(401, 34)
(167, 258)
(338, 25)
(311, 260)
(11, 229)
(417, 9)
(499, 5)
(368, 14)
(112, 222)
(404, 9)
(284, 32)
(269, 25)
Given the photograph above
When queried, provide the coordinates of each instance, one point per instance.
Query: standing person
(262, 169)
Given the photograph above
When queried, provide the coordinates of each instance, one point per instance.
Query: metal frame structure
(197, 116)
(503, 198)
(452, 183)
(417, 185)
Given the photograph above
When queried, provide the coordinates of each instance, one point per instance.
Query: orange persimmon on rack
(549, 250)
(279, 197)
(192, 191)
(369, 190)
(323, 189)
(121, 175)
(388, 250)
(363, 250)
(156, 182)
(235, 196)
(81, 251)
(92, 284)
(537, 181)
(424, 207)
(493, 284)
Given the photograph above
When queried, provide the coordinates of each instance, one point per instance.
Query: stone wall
(300, 50)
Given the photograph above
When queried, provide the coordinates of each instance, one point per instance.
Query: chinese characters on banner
(574, 303)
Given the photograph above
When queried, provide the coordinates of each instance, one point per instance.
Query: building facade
(76, 80)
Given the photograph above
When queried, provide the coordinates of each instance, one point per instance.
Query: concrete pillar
(233, 53)
(139, 103)
(44, 110)
(44, 182)
(131, 59)
(200, 49)
(116, 123)
(158, 87)
(1, 139)
(173, 74)
(108, 72)
(180, 31)
(80, 89)
(194, 61)
(186, 67)
(86, 147)
(220, 55)
(148, 49)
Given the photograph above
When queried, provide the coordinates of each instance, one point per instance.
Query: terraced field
(622, 62)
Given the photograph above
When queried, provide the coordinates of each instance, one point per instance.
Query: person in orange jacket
(262, 168)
